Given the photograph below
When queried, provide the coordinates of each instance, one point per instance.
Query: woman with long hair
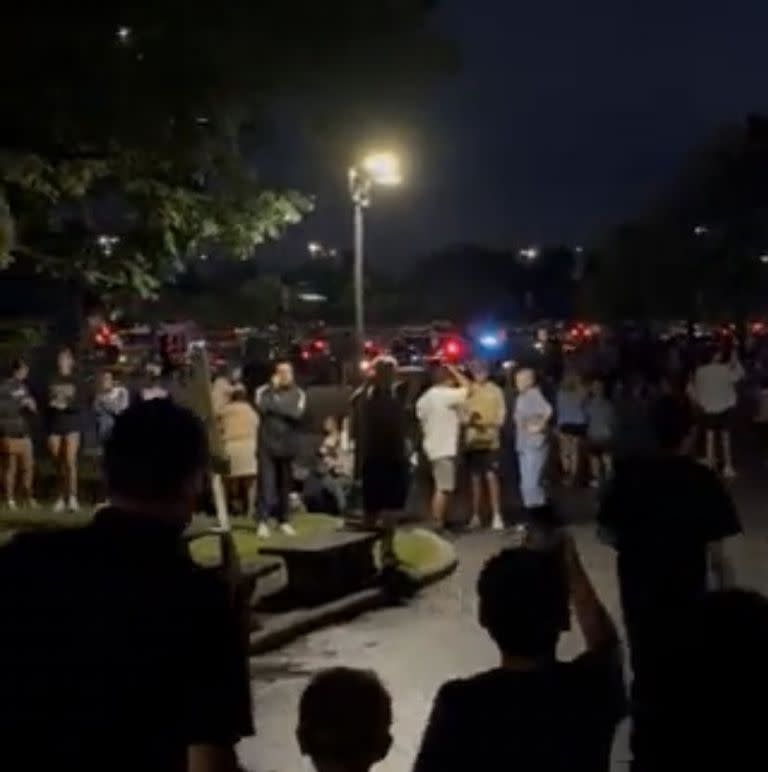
(64, 428)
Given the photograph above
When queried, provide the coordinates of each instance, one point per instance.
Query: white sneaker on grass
(11, 504)
(73, 505)
(287, 529)
(498, 522)
(60, 505)
(263, 531)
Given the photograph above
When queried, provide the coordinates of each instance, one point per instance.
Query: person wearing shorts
(571, 425)
(16, 403)
(438, 412)
(601, 427)
(713, 390)
(485, 412)
(64, 428)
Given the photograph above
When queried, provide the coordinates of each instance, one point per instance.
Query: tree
(697, 254)
(128, 131)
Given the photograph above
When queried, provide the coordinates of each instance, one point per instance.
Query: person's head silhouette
(345, 717)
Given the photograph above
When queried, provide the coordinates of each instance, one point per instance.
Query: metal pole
(359, 280)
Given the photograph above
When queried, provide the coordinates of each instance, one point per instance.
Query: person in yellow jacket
(484, 414)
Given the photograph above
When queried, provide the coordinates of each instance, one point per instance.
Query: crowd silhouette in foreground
(119, 653)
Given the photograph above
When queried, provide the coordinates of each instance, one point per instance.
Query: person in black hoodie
(281, 405)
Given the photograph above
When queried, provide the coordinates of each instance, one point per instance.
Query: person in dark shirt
(384, 467)
(533, 712)
(716, 676)
(117, 652)
(64, 411)
(16, 406)
(666, 515)
(345, 718)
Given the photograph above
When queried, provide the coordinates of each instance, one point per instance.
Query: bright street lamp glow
(383, 168)
(530, 253)
(764, 258)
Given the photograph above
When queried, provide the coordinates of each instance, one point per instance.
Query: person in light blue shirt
(532, 416)
(571, 424)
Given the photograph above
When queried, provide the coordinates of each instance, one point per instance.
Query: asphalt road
(416, 648)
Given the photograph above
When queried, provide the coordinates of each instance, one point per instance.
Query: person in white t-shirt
(438, 411)
(713, 390)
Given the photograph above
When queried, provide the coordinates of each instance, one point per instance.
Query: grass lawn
(419, 551)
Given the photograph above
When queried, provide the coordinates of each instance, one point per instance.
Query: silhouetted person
(666, 515)
(715, 680)
(533, 712)
(345, 717)
(117, 651)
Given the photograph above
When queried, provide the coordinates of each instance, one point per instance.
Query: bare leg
(71, 448)
(55, 444)
(27, 461)
(711, 458)
(607, 465)
(477, 494)
(728, 468)
(250, 496)
(439, 506)
(596, 468)
(494, 492)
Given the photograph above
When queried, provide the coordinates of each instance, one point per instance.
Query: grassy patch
(205, 549)
(420, 552)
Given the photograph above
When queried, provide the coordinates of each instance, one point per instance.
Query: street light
(529, 253)
(381, 168)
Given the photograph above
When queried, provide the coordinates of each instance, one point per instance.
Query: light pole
(375, 169)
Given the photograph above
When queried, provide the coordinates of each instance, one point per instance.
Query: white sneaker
(73, 505)
(263, 531)
(498, 522)
(287, 529)
(729, 473)
(11, 504)
(60, 505)
(475, 524)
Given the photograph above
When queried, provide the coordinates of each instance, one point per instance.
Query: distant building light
(312, 297)
(202, 120)
(123, 34)
(578, 250)
(700, 230)
(529, 253)
(764, 258)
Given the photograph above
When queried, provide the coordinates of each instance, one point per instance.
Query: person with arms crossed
(438, 412)
(281, 405)
(135, 659)
(532, 417)
(532, 712)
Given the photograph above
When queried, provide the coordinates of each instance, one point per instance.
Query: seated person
(345, 717)
(533, 712)
(328, 477)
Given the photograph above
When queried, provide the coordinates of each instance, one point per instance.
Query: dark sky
(565, 118)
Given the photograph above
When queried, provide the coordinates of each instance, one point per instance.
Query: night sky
(565, 118)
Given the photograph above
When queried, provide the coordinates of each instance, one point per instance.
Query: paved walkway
(436, 637)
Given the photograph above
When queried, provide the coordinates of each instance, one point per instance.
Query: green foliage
(143, 122)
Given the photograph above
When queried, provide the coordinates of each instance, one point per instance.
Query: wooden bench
(328, 566)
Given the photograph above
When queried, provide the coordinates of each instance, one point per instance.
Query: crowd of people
(118, 652)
